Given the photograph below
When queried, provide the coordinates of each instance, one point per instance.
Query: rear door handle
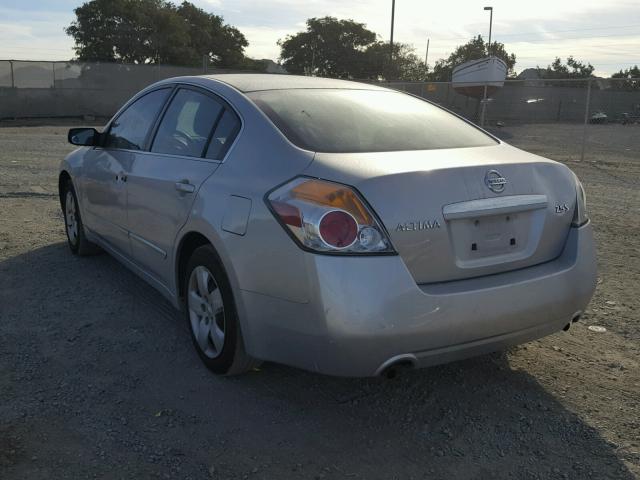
(185, 187)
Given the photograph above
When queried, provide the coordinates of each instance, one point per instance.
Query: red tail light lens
(338, 229)
(289, 214)
(328, 217)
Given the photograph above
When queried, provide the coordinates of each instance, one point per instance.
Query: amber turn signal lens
(332, 195)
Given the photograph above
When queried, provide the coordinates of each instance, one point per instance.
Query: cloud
(603, 32)
(34, 35)
(536, 32)
(262, 43)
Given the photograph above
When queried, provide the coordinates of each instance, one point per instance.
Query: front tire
(211, 315)
(76, 238)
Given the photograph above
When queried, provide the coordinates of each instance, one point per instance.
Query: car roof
(252, 82)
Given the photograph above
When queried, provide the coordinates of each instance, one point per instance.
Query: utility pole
(426, 57)
(393, 13)
(484, 97)
(490, 25)
(586, 120)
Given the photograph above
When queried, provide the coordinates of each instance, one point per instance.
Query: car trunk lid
(462, 213)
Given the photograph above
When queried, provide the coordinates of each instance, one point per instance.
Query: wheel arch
(188, 243)
(63, 179)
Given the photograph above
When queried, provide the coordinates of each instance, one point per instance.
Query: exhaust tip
(393, 366)
(392, 371)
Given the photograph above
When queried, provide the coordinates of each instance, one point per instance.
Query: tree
(405, 66)
(572, 69)
(328, 47)
(474, 49)
(631, 78)
(153, 31)
(347, 49)
(210, 36)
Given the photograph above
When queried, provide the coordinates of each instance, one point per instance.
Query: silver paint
(436, 301)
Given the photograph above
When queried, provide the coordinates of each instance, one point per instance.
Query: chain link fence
(566, 119)
(31, 89)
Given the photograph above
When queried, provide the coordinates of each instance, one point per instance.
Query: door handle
(185, 187)
(121, 177)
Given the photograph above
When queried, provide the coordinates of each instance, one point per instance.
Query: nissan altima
(335, 226)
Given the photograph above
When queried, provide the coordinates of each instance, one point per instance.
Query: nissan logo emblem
(495, 181)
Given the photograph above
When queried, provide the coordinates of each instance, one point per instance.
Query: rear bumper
(366, 312)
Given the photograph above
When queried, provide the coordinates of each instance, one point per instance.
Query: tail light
(580, 216)
(328, 217)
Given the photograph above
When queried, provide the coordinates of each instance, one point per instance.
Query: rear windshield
(340, 120)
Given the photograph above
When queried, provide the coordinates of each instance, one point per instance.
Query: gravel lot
(98, 377)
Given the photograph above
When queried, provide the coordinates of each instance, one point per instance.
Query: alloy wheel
(71, 219)
(206, 311)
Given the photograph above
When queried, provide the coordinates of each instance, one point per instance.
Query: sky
(605, 33)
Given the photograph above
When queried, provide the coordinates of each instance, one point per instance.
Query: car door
(107, 167)
(191, 139)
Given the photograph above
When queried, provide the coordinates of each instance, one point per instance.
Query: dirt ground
(98, 378)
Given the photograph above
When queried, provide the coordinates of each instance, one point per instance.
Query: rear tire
(74, 228)
(212, 317)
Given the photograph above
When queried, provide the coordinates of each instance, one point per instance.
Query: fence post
(484, 107)
(586, 120)
(204, 64)
(13, 79)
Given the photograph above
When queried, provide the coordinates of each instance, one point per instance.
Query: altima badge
(495, 181)
(415, 226)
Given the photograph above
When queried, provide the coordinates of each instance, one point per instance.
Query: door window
(223, 137)
(187, 124)
(130, 129)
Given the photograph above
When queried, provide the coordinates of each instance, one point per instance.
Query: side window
(131, 127)
(226, 131)
(187, 124)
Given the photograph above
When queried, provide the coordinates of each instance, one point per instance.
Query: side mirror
(84, 137)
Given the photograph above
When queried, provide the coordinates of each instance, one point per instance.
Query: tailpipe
(393, 366)
(574, 319)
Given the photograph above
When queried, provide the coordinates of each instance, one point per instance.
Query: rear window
(340, 120)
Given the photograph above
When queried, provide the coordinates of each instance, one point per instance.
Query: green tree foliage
(474, 49)
(405, 66)
(154, 31)
(572, 69)
(328, 48)
(210, 36)
(347, 49)
(631, 78)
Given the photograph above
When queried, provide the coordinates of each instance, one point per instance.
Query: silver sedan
(330, 225)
